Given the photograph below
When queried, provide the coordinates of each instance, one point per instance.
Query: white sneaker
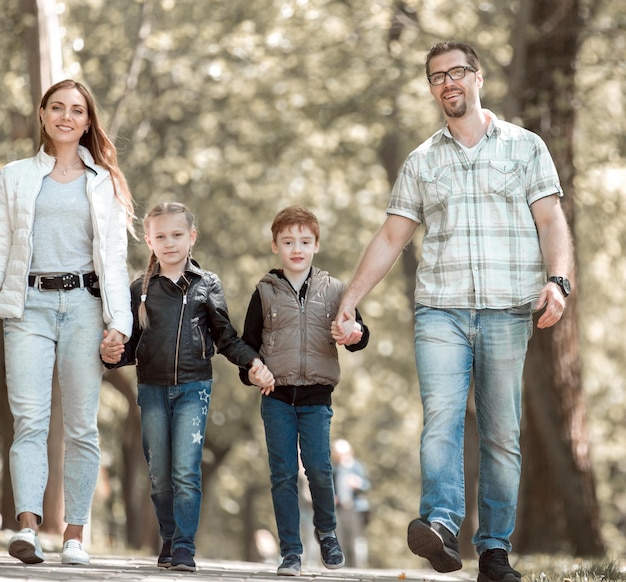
(25, 546)
(74, 554)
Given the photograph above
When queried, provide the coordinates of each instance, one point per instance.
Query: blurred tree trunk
(391, 159)
(558, 508)
(7, 505)
(141, 525)
(53, 500)
(43, 49)
(42, 42)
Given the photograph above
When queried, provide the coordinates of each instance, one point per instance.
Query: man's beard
(455, 112)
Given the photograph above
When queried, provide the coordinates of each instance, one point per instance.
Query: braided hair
(158, 210)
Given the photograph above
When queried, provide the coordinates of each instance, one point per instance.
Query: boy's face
(295, 247)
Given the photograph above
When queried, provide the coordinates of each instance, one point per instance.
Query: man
(487, 193)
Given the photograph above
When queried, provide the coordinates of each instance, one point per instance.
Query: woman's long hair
(97, 142)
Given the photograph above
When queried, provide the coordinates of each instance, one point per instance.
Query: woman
(63, 279)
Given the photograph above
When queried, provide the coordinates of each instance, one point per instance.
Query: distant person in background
(351, 483)
(310, 547)
(63, 220)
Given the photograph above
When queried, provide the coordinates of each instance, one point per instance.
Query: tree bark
(141, 525)
(558, 506)
(43, 50)
(6, 437)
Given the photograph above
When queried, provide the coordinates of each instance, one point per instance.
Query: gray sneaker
(330, 550)
(290, 566)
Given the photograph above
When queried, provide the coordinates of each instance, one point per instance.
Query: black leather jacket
(188, 321)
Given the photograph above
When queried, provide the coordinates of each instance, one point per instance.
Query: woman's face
(65, 117)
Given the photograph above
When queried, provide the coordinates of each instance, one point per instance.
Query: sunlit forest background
(238, 108)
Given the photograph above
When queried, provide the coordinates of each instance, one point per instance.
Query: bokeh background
(240, 107)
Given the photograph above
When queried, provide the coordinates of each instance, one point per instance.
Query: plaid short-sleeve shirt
(480, 247)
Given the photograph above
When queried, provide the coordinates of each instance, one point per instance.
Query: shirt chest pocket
(505, 178)
(438, 185)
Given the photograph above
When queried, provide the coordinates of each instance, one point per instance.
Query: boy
(289, 322)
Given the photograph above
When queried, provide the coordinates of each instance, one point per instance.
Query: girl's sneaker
(165, 557)
(290, 566)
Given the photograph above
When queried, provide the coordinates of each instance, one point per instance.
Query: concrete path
(125, 569)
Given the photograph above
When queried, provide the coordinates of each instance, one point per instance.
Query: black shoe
(493, 566)
(165, 557)
(183, 560)
(332, 556)
(290, 566)
(436, 543)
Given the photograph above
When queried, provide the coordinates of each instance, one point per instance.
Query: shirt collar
(492, 128)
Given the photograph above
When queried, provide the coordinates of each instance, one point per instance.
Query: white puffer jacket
(20, 183)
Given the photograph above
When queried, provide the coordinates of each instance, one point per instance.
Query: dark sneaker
(332, 556)
(290, 566)
(165, 557)
(436, 543)
(493, 566)
(183, 560)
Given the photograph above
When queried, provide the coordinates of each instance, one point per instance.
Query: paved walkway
(124, 569)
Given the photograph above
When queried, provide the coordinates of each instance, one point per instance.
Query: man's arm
(380, 255)
(557, 250)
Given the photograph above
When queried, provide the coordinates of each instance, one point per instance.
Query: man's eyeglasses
(455, 73)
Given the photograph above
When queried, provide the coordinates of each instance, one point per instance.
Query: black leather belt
(62, 282)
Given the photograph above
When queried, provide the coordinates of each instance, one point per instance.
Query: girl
(181, 318)
(63, 279)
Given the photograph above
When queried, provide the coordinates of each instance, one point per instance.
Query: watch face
(566, 286)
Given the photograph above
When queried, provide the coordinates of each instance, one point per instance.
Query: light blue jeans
(62, 327)
(451, 345)
(173, 420)
(288, 428)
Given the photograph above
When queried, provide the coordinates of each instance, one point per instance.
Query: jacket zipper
(301, 301)
(178, 334)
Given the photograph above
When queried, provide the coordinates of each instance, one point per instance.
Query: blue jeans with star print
(173, 419)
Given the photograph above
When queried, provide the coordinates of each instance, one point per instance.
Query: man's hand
(345, 329)
(553, 301)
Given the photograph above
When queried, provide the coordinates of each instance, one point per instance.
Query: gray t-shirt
(63, 233)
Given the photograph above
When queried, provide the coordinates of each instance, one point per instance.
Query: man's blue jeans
(285, 425)
(173, 420)
(451, 345)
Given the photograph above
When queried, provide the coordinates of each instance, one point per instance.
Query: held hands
(552, 299)
(259, 375)
(345, 329)
(111, 346)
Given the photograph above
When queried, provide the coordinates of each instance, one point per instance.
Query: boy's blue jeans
(285, 426)
(451, 345)
(173, 420)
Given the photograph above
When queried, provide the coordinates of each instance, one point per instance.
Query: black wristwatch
(563, 284)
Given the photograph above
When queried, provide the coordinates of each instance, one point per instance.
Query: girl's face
(65, 116)
(170, 239)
